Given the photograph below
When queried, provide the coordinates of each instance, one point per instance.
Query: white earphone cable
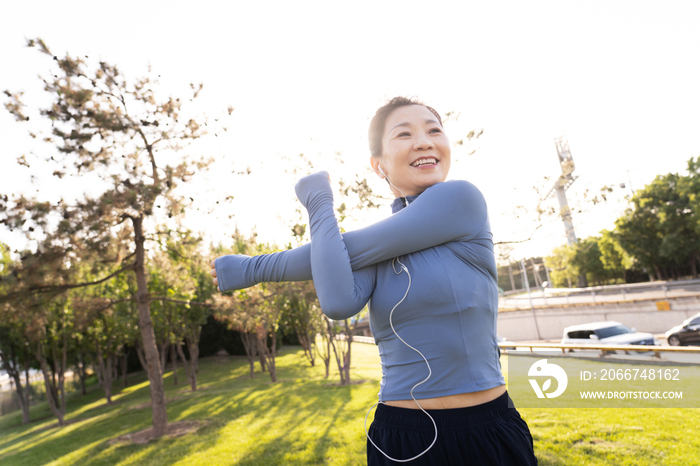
(403, 267)
(405, 199)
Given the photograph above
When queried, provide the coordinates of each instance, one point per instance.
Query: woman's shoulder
(457, 190)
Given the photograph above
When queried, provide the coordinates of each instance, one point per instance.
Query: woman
(429, 274)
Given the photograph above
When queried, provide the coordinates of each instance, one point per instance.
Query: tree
(118, 130)
(194, 316)
(660, 228)
(254, 312)
(302, 314)
(179, 276)
(586, 259)
(51, 339)
(614, 259)
(13, 353)
(689, 188)
(229, 309)
(328, 337)
(562, 273)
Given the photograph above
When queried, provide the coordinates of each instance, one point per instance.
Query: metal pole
(510, 273)
(546, 271)
(536, 273)
(565, 214)
(527, 287)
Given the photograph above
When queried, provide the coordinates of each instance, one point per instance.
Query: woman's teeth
(421, 162)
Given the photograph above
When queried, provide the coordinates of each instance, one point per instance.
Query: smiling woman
(429, 275)
(409, 147)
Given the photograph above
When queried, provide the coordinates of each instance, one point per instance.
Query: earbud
(381, 170)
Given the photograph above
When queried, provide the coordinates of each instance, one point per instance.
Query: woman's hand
(313, 186)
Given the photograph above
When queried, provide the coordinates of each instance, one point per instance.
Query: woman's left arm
(454, 210)
(341, 292)
(443, 213)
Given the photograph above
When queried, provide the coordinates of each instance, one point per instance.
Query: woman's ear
(374, 162)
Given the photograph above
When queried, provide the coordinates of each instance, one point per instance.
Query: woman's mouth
(425, 162)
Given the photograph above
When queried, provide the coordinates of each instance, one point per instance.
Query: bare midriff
(462, 400)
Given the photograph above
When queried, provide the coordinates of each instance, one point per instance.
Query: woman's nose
(422, 142)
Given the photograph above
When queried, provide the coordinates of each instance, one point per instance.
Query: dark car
(687, 333)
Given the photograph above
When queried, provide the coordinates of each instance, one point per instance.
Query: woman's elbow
(338, 310)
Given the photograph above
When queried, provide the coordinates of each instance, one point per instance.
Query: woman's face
(415, 151)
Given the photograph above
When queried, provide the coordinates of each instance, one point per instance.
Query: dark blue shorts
(492, 433)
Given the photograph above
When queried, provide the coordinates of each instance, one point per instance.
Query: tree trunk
(271, 356)
(189, 367)
(173, 357)
(163, 354)
(327, 335)
(81, 373)
(338, 362)
(327, 356)
(12, 367)
(26, 372)
(694, 261)
(148, 338)
(51, 389)
(346, 359)
(268, 354)
(104, 373)
(142, 357)
(192, 341)
(261, 353)
(62, 372)
(582, 281)
(125, 367)
(659, 274)
(250, 343)
(307, 344)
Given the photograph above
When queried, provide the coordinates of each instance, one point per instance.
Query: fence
(8, 397)
(604, 349)
(556, 297)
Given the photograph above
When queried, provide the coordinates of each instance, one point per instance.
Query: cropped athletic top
(444, 239)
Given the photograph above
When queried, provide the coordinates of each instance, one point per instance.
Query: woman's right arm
(237, 271)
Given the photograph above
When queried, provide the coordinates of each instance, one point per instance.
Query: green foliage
(659, 233)
(614, 258)
(660, 228)
(561, 270)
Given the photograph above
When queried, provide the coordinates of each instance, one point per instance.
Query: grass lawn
(305, 419)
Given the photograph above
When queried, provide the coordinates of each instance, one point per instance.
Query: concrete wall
(642, 315)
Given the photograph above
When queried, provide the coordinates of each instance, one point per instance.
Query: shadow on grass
(228, 400)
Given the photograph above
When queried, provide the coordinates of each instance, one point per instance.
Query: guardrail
(603, 348)
(554, 297)
(621, 288)
(357, 338)
(7, 384)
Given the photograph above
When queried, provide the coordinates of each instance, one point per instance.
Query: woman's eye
(436, 130)
(403, 134)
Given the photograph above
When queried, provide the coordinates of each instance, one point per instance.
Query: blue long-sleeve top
(444, 239)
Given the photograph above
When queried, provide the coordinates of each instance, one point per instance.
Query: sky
(618, 79)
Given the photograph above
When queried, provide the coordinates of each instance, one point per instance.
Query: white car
(606, 333)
